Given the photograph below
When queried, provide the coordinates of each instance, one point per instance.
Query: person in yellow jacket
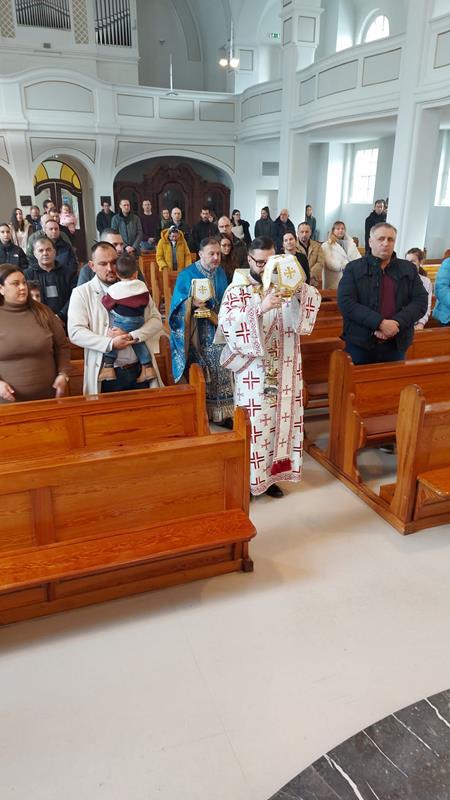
(172, 251)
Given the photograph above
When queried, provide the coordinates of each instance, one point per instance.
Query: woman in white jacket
(338, 250)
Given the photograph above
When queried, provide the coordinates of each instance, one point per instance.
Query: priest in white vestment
(263, 328)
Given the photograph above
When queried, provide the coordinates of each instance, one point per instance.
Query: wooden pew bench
(363, 404)
(429, 343)
(327, 327)
(47, 428)
(85, 527)
(316, 356)
(420, 498)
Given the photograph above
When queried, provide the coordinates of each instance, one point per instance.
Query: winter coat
(164, 257)
(130, 229)
(279, 228)
(88, 323)
(56, 286)
(203, 230)
(11, 254)
(442, 291)
(359, 298)
(263, 227)
(316, 261)
(336, 259)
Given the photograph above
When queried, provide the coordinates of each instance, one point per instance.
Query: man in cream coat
(88, 327)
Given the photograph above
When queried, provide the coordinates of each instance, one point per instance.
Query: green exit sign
(274, 35)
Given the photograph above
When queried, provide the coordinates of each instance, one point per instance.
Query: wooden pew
(326, 327)
(363, 404)
(161, 282)
(49, 428)
(316, 353)
(316, 356)
(328, 294)
(429, 343)
(421, 496)
(329, 308)
(85, 527)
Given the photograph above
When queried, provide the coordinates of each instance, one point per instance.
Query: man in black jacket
(9, 252)
(377, 215)
(204, 228)
(56, 280)
(380, 297)
(281, 226)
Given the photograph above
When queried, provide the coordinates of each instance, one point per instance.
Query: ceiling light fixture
(231, 61)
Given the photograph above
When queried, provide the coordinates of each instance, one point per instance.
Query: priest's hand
(273, 300)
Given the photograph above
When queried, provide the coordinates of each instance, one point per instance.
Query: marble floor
(227, 688)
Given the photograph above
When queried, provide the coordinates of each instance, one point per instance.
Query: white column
(416, 140)
(300, 37)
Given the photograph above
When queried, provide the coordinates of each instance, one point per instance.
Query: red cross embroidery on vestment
(251, 380)
(244, 332)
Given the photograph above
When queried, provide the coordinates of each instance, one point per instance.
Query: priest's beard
(255, 275)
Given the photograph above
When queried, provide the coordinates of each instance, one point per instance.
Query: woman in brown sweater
(34, 351)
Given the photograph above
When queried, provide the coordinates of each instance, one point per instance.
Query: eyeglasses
(258, 263)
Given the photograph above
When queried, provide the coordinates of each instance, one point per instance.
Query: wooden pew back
(51, 427)
(423, 461)
(85, 527)
(315, 368)
(98, 494)
(363, 401)
(429, 343)
(326, 327)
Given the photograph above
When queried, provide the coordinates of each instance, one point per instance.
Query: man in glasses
(262, 332)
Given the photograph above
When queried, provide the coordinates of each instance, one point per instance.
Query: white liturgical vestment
(263, 350)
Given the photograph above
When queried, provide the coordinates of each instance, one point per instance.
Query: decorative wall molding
(3, 150)
(41, 145)
(58, 96)
(129, 150)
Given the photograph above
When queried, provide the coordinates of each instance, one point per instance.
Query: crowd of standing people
(241, 331)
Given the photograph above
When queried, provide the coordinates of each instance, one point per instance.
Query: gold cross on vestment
(289, 272)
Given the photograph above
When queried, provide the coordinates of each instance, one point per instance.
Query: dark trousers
(381, 353)
(125, 380)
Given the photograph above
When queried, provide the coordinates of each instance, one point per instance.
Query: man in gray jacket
(129, 226)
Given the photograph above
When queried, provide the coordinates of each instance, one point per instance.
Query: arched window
(378, 29)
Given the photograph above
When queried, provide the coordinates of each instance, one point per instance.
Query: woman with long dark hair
(20, 228)
(229, 261)
(34, 351)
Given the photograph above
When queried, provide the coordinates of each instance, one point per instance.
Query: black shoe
(274, 491)
(226, 423)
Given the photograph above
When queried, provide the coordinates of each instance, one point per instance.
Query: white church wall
(328, 29)
(251, 186)
(441, 7)
(317, 183)
(164, 25)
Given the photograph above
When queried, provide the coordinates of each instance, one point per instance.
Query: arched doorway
(174, 181)
(57, 181)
